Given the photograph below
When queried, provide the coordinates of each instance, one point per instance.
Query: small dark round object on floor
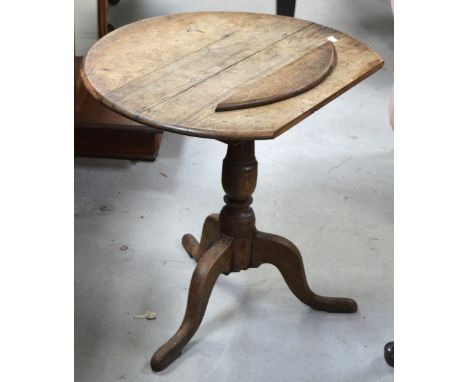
(114, 2)
(110, 28)
(388, 353)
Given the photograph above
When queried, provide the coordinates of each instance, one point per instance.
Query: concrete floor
(326, 184)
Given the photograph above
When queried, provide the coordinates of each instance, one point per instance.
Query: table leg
(210, 235)
(284, 255)
(215, 261)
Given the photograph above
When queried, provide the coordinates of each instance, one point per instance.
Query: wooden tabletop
(171, 72)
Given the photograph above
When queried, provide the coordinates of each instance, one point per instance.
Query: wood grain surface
(291, 80)
(171, 72)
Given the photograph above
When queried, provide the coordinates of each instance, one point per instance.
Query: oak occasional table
(234, 77)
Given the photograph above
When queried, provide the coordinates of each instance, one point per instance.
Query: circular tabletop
(171, 72)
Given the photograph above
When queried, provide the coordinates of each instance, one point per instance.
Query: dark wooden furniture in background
(102, 18)
(177, 87)
(101, 132)
(285, 7)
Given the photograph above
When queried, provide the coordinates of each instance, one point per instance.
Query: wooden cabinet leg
(284, 255)
(215, 261)
(285, 7)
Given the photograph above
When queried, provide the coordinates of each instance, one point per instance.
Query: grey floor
(326, 184)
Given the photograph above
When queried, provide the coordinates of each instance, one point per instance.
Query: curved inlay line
(291, 80)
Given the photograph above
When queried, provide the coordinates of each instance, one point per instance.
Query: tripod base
(214, 255)
(230, 243)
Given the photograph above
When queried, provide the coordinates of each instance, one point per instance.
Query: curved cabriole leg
(210, 235)
(215, 261)
(284, 255)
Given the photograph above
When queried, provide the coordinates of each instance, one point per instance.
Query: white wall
(86, 26)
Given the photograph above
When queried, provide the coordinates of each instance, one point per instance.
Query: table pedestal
(230, 243)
